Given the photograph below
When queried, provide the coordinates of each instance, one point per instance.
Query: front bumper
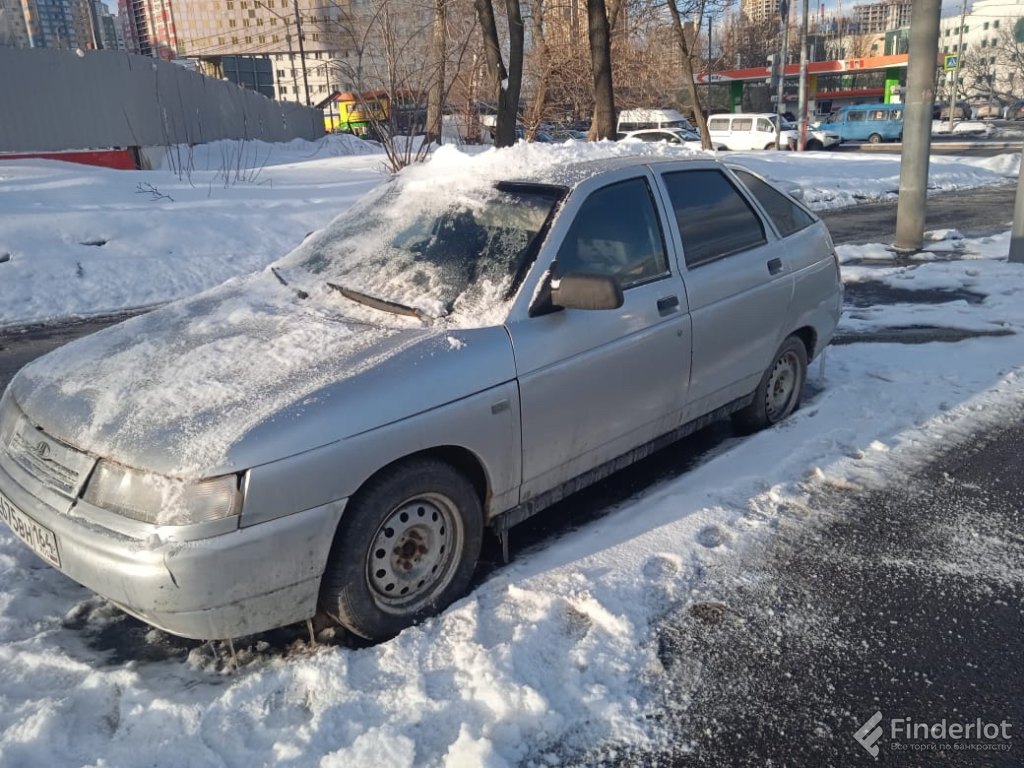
(229, 584)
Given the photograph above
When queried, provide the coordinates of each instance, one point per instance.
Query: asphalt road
(905, 601)
(975, 213)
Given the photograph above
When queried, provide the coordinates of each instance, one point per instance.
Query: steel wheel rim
(414, 553)
(782, 384)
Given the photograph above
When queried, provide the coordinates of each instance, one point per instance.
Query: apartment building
(879, 18)
(759, 10)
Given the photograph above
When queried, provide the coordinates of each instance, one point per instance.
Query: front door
(596, 383)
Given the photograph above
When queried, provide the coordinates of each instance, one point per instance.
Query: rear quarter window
(718, 124)
(787, 216)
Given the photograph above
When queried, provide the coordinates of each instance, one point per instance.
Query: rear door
(596, 383)
(738, 284)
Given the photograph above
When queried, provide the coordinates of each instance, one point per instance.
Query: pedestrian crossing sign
(950, 61)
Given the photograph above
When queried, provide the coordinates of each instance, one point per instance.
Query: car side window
(714, 219)
(616, 232)
(856, 117)
(764, 125)
(742, 123)
(787, 216)
(718, 124)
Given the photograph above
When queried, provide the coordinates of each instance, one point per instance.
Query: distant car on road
(682, 136)
(332, 435)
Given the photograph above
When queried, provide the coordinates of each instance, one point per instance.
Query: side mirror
(580, 290)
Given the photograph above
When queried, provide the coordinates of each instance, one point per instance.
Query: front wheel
(770, 146)
(814, 146)
(778, 394)
(406, 547)
(875, 138)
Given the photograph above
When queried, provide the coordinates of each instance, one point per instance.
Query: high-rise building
(759, 10)
(50, 24)
(223, 35)
(879, 18)
(13, 32)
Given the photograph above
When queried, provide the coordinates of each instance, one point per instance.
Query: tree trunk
(438, 54)
(506, 83)
(601, 62)
(688, 81)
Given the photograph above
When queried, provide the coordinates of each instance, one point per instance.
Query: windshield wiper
(298, 291)
(384, 305)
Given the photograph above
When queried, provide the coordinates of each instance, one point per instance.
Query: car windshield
(462, 254)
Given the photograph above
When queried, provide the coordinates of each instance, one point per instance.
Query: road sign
(949, 61)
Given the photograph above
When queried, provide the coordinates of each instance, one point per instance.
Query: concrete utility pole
(802, 104)
(1017, 234)
(783, 55)
(917, 125)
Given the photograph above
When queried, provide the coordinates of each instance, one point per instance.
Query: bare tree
(601, 61)
(686, 37)
(506, 83)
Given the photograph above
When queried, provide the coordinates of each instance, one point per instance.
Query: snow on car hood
(181, 390)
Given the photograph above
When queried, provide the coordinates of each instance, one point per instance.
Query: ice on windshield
(441, 257)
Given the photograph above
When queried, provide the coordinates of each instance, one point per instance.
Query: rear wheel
(406, 547)
(875, 138)
(778, 394)
(814, 146)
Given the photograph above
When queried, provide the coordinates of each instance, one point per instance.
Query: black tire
(875, 138)
(770, 146)
(778, 394)
(406, 547)
(814, 146)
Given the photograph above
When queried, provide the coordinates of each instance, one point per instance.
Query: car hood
(250, 373)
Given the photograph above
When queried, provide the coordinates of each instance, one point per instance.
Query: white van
(640, 119)
(748, 131)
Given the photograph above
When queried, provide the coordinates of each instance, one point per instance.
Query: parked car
(1015, 111)
(682, 136)
(749, 131)
(333, 434)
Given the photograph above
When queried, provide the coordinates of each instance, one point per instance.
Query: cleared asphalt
(905, 602)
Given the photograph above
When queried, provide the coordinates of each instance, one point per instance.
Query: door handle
(668, 305)
(774, 266)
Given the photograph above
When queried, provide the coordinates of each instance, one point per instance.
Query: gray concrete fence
(53, 100)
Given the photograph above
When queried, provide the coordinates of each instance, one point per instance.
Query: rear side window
(714, 219)
(787, 216)
(742, 123)
(856, 117)
(616, 232)
(718, 124)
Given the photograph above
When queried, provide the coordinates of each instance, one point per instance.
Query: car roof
(573, 174)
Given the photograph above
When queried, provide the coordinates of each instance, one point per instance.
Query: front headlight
(161, 500)
(10, 415)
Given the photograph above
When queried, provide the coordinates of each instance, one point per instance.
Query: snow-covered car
(332, 435)
(688, 138)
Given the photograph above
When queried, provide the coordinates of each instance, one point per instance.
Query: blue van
(867, 122)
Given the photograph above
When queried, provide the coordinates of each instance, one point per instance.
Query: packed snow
(547, 657)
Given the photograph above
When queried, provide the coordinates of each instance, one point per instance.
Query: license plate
(40, 540)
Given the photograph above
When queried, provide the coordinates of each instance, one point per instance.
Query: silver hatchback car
(332, 435)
